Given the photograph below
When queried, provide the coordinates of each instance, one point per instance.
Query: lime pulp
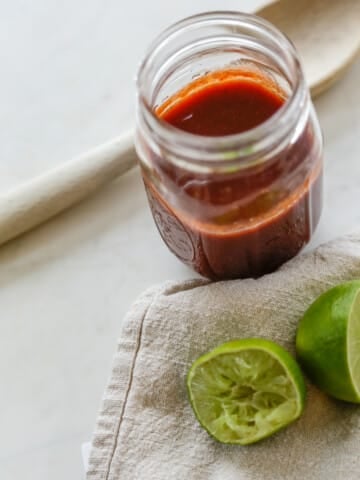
(245, 390)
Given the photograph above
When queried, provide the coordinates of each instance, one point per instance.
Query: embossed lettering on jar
(229, 145)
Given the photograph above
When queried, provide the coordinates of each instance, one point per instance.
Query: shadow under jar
(229, 145)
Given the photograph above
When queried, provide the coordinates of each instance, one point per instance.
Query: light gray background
(67, 71)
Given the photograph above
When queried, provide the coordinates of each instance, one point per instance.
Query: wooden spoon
(325, 32)
(327, 35)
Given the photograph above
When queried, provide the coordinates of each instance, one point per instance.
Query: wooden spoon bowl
(325, 32)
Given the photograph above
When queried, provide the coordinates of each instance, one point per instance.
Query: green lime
(328, 342)
(245, 390)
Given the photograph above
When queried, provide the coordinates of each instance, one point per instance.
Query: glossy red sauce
(247, 223)
(224, 108)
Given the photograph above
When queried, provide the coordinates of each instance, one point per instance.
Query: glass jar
(236, 205)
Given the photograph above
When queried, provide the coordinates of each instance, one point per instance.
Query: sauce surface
(249, 222)
(224, 107)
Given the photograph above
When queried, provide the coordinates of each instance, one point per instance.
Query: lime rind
(353, 344)
(328, 341)
(245, 390)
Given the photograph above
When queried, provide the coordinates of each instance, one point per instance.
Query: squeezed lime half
(245, 390)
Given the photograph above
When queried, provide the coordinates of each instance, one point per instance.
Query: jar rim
(260, 134)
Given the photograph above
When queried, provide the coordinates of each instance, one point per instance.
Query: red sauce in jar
(250, 222)
(223, 107)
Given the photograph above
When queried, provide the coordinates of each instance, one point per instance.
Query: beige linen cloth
(146, 429)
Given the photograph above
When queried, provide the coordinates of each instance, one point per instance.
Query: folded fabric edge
(119, 384)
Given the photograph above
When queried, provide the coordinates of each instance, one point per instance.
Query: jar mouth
(255, 140)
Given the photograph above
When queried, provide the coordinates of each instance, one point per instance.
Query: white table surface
(67, 71)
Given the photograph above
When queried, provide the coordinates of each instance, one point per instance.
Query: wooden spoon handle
(49, 194)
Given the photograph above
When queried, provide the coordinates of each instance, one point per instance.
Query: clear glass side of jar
(238, 205)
